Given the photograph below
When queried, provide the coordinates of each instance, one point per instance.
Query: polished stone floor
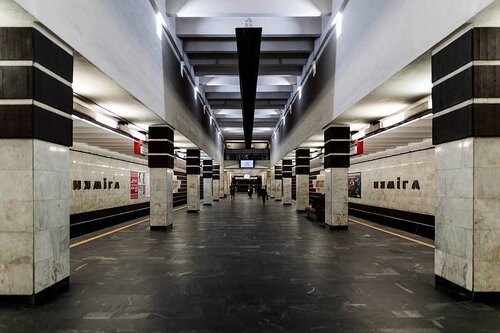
(242, 267)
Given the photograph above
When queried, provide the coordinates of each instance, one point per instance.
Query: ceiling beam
(254, 8)
(284, 60)
(226, 45)
(271, 26)
(259, 104)
(204, 70)
(261, 80)
(236, 89)
(237, 95)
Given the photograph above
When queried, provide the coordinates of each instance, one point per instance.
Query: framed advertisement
(354, 185)
(134, 185)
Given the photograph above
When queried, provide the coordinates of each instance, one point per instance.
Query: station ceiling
(207, 31)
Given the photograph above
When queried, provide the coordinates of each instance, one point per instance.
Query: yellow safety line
(114, 231)
(394, 234)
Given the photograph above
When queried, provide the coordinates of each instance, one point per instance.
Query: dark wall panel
(16, 82)
(453, 91)
(53, 92)
(51, 56)
(451, 58)
(16, 44)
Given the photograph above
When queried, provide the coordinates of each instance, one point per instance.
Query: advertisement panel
(354, 185)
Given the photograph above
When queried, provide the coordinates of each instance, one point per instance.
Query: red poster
(137, 147)
(360, 146)
(134, 185)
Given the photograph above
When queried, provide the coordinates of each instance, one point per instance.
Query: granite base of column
(161, 227)
(335, 227)
(38, 299)
(454, 290)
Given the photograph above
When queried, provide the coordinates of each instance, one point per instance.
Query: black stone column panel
(216, 171)
(161, 147)
(278, 172)
(302, 161)
(287, 168)
(337, 140)
(193, 162)
(37, 74)
(207, 169)
(466, 80)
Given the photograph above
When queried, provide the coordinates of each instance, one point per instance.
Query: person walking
(263, 193)
(232, 191)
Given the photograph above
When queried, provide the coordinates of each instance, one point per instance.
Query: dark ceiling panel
(248, 43)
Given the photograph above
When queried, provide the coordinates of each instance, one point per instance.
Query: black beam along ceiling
(248, 43)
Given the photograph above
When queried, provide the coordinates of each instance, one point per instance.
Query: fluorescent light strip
(104, 128)
(160, 23)
(393, 128)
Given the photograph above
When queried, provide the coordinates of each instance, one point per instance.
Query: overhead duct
(248, 41)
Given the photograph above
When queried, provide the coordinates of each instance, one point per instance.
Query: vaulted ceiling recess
(248, 42)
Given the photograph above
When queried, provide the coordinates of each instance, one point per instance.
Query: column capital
(337, 140)
(161, 147)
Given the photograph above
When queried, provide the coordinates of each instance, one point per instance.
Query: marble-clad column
(466, 133)
(36, 103)
(268, 182)
(272, 187)
(337, 161)
(193, 180)
(227, 182)
(287, 182)
(302, 168)
(222, 180)
(278, 181)
(215, 182)
(161, 164)
(207, 182)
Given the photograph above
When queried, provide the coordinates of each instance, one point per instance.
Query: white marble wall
(193, 193)
(302, 192)
(268, 182)
(227, 182)
(207, 191)
(162, 206)
(222, 181)
(278, 189)
(455, 211)
(287, 191)
(336, 203)
(34, 216)
(418, 165)
(215, 189)
(272, 187)
(87, 163)
(468, 206)
(487, 214)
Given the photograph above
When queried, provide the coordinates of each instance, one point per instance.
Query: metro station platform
(244, 267)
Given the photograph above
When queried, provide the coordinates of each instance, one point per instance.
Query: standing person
(250, 191)
(263, 194)
(232, 192)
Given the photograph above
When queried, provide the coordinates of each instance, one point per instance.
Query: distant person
(263, 194)
(250, 191)
(232, 191)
